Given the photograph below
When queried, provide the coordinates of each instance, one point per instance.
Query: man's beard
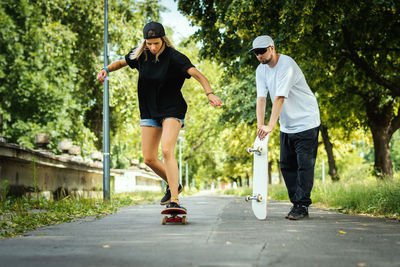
(266, 61)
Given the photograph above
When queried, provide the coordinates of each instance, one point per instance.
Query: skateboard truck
(259, 198)
(258, 151)
(174, 218)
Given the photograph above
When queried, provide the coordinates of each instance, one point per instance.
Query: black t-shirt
(160, 83)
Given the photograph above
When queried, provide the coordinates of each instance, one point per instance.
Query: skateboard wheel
(249, 150)
(164, 220)
(184, 220)
(260, 149)
(247, 198)
(259, 198)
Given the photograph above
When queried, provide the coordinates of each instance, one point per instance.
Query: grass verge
(18, 215)
(376, 198)
(370, 197)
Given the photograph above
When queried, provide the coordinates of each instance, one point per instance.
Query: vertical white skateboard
(260, 178)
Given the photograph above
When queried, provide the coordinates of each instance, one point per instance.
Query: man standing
(297, 108)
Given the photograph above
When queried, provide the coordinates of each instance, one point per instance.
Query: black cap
(156, 28)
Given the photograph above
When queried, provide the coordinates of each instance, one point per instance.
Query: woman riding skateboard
(162, 72)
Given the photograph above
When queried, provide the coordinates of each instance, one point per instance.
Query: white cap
(262, 41)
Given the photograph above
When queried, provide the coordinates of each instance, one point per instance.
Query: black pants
(298, 155)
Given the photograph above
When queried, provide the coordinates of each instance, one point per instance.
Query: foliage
(215, 142)
(35, 82)
(356, 61)
(50, 53)
(201, 131)
(353, 153)
(349, 56)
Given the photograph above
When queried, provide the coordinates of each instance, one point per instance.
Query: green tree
(348, 51)
(50, 52)
(37, 77)
(202, 131)
(358, 49)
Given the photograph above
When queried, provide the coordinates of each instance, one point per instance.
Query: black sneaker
(300, 212)
(167, 197)
(290, 212)
(174, 205)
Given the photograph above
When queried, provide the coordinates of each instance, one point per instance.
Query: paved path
(221, 231)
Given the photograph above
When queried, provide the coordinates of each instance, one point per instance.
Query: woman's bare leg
(170, 132)
(150, 141)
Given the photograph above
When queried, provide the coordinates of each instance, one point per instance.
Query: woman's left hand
(214, 100)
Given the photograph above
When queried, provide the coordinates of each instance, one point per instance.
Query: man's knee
(288, 166)
(306, 161)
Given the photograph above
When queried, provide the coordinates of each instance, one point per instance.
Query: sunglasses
(260, 51)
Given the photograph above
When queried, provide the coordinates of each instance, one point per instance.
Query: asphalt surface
(221, 231)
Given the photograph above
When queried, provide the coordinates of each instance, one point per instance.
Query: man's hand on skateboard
(263, 130)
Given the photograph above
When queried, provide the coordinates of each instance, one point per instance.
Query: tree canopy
(349, 52)
(50, 52)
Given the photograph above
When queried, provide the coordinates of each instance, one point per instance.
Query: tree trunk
(280, 172)
(270, 172)
(329, 151)
(382, 118)
(383, 162)
(382, 126)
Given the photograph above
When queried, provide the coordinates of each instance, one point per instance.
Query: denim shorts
(158, 122)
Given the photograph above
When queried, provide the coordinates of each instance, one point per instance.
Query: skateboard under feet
(174, 216)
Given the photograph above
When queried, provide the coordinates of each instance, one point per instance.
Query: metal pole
(187, 175)
(180, 160)
(106, 122)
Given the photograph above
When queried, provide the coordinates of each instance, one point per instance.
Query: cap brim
(254, 48)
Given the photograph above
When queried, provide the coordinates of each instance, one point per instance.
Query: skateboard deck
(174, 216)
(260, 178)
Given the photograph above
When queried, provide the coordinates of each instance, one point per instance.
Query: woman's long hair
(143, 48)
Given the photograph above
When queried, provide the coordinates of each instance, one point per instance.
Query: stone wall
(57, 176)
(53, 175)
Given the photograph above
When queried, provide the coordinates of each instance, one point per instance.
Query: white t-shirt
(300, 109)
